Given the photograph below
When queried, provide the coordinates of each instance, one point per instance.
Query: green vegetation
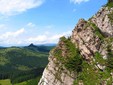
(97, 31)
(110, 58)
(72, 59)
(109, 4)
(21, 64)
(91, 75)
(88, 75)
(28, 82)
(109, 61)
(40, 48)
(5, 82)
(108, 40)
(110, 16)
(99, 59)
(88, 72)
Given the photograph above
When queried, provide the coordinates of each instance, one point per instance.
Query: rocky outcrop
(94, 39)
(87, 41)
(56, 74)
(103, 21)
(82, 35)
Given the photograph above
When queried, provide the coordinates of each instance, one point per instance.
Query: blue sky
(42, 21)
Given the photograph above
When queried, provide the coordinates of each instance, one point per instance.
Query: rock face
(85, 39)
(94, 39)
(56, 74)
(102, 20)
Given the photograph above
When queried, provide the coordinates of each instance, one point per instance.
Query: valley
(19, 64)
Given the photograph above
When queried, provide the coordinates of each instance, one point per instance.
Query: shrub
(109, 4)
(99, 59)
(72, 60)
(110, 58)
(97, 31)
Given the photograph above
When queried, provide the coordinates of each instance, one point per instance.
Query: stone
(56, 74)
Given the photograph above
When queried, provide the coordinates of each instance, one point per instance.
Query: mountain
(23, 63)
(39, 48)
(85, 58)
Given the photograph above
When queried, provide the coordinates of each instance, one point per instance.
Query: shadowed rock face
(88, 37)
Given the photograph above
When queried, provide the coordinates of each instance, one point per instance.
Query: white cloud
(2, 26)
(46, 38)
(12, 34)
(30, 24)
(78, 1)
(12, 7)
(24, 36)
(39, 38)
(11, 37)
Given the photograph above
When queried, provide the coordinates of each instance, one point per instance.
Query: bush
(72, 60)
(99, 59)
(109, 4)
(97, 31)
(110, 58)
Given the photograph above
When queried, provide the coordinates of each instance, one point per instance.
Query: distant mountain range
(48, 44)
(22, 63)
(40, 48)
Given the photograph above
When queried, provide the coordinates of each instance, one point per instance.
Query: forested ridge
(23, 63)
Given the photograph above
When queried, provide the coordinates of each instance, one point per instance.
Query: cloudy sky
(41, 21)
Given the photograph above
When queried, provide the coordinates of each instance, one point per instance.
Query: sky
(42, 21)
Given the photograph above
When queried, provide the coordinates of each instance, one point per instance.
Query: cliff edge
(86, 57)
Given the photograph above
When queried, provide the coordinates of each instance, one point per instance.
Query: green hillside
(21, 64)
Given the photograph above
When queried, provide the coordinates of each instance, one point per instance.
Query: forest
(23, 63)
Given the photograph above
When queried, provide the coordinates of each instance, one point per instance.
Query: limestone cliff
(85, 58)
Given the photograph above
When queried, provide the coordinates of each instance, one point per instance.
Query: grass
(28, 82)
(5, 82)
